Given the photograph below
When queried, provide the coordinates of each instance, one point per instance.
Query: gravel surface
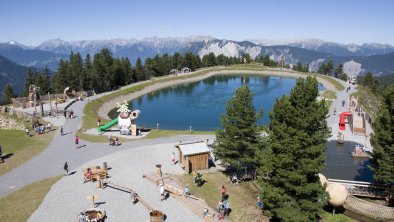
(68, 196)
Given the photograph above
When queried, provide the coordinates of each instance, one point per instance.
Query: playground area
(125, 168)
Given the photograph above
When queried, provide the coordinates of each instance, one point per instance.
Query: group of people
(113, 141)
(85, 218)
(197, 178)
(224, 204)
(68, 114)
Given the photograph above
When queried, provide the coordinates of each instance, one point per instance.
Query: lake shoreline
(106, 107)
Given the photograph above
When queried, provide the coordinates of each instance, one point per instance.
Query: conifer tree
(297, 139)
(382, 140)
(8, 94)
(28, 81)
(238, 141)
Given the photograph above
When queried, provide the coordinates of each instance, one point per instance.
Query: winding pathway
(62, 148)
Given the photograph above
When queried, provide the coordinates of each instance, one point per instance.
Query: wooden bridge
(362, 207)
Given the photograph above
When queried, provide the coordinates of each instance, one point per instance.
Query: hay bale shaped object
(338, 194)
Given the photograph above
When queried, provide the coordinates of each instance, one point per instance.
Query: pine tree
(8, 94)
(46, 81)
(297, 139)
(382, 140)
(87, 80)
(139, 69)
(29, 80)
(238, 141)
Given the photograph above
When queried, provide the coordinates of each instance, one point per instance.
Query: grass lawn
(328, 217)
(152, 135)
(328, 94)
(336, 84)
(242, 196)
(20, 204)
(20, 148)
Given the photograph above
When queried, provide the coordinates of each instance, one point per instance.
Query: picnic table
(97, 173)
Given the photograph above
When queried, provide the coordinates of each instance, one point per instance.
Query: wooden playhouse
(193, 156)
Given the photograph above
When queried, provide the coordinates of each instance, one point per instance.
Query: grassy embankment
(20, 205)
(19, 148)
(329, 96)
(368, 101)
(242, 196)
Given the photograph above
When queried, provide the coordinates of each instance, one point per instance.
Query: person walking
(65, 169)
(61, 131)
(27, 131)
(77, 142)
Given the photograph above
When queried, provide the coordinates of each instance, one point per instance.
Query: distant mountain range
(28, 56)
(12, 73)
(357, 59)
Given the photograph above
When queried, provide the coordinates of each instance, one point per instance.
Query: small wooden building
(193, 156)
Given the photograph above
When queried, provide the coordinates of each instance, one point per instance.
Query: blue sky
(348, 21)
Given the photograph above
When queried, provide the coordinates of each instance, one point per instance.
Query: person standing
(61, 131)
(226, 208)
(259, 203)
(77, 142)
(223, 191)
(162, 192)
(1, 155)
(81, 217)
(27, 131)
(186, 191)
(98, 121)
(172, 158)
(65, 169)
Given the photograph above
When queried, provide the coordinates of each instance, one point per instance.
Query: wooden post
(50, 104)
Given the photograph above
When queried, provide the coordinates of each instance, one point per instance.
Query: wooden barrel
(156, 216)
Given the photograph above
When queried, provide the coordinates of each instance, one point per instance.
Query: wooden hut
(193, 156)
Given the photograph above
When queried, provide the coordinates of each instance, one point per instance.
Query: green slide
(108, 125)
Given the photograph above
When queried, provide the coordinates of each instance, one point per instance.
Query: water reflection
(341, 165)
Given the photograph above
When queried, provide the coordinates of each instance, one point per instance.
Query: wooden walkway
(195, 204)
(362, 189)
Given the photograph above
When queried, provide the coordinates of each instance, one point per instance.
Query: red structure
(342, 120)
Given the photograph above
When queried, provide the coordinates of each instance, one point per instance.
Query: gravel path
(62, 148)
(333, 120)
(67, 197)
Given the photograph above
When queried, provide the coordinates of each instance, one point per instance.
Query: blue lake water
(201, 104)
